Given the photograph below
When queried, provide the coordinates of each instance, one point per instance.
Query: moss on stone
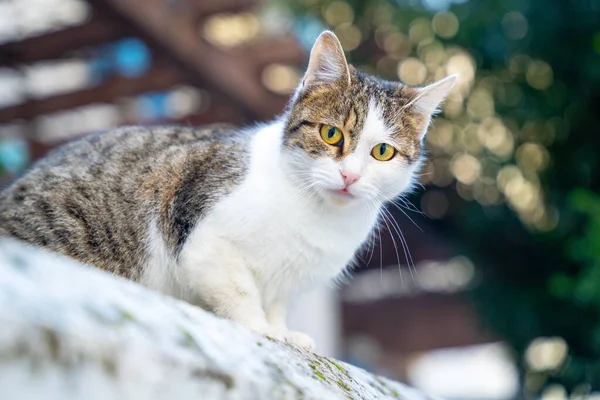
(317, 372)
(320, 375)
(339, 367)
(53, 342)
(188, 339)
(127, 316)
(343, 385)
(109, 365)
(392, 391)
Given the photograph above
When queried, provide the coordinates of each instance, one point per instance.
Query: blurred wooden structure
(406, 325)
(419, 320)
(180, 55)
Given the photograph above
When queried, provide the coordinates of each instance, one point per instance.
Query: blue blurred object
(152, 106)
(307, 29)
(128, 57)
(100, 64)
(132, 57)
(436, 5)
(14, 155)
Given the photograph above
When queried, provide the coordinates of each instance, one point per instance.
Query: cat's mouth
(344, 192)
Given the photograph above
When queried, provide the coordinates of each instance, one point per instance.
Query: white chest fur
(288, 241)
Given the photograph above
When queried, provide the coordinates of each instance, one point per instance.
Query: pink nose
(349, 177)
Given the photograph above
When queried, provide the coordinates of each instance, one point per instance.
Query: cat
(236, 220)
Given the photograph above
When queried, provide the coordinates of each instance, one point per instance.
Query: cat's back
(92, 198)
(128, 146)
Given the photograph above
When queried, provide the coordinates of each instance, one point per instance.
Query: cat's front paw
(272, 332)
(300, 339)
(297, 339)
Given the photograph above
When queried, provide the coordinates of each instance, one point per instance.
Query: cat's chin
(339, 198)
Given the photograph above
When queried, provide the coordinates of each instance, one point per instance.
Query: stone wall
(69, 331)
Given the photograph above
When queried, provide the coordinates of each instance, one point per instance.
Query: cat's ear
(429, 98)
(327, 62)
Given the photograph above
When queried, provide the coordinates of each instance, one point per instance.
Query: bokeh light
(420, 31)
(412, 71)
(539, 74)
(445, 24)
(545, 354)
(280, 79)
(514, 25)
(338, 12)
(349, 35)
(230, 30)
(465, 168)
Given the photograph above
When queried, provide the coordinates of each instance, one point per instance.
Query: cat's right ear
(327, 62)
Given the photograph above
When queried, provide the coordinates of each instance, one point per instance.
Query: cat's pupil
(330, 133)
(382, 149)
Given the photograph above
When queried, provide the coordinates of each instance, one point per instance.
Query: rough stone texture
(69, 331)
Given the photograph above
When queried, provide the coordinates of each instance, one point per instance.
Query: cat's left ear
(428, 99)
(327, 62)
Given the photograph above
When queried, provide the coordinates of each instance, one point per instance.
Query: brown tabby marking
(346, 107)
(93, 198)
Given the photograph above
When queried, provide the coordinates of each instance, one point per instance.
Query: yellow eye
(331, 135)
(383, 152)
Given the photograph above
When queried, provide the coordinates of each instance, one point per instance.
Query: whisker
(402, 242)
(370, 233)
(381, 254)
(304, 189)
(377, 204)
(312, 193)
(372, 238)
(394, 242)
(409, 260)
(408, 205)
(301, 180)
(406, 215)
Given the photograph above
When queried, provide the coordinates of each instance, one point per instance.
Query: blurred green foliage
(539, 63)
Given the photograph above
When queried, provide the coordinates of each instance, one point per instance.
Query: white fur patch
(288, 241)
(159, 273)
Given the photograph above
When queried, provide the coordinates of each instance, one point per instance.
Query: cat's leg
(220, 281)
(276, 314)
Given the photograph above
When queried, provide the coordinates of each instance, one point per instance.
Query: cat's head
(351, 137)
